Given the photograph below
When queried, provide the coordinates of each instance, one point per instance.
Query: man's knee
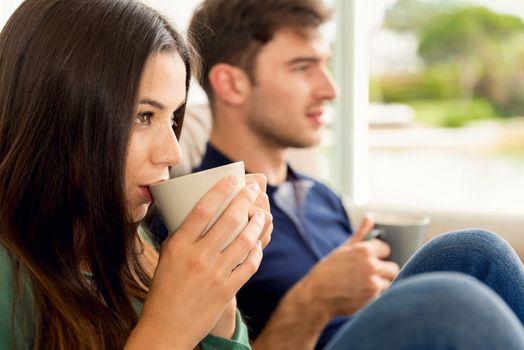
(436, 310)
(464, 243)
(467, 238)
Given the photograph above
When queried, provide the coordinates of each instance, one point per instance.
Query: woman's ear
(229, 83)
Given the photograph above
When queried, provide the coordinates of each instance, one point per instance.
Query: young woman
(92, 98)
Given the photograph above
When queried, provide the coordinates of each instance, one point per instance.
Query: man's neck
(238, 143)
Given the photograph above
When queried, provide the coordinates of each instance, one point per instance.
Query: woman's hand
(196, 278)
(225, 327)
(262, 202)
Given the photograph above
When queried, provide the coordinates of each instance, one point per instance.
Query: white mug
(178, 196)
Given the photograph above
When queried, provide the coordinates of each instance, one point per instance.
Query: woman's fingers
(243, 272)
(262, 202)
(265, 235)
(236, 252)
(248, 213)
(233, 219)
(265, 238)
(198, 219)
(260, 179)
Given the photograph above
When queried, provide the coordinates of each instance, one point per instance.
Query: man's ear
(231, 84)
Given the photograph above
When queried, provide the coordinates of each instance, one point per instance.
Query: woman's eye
(144, 118)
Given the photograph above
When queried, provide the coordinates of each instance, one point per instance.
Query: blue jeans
(461, 290)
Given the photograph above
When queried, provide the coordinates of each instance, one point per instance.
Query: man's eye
(144, 118)
(302, 68)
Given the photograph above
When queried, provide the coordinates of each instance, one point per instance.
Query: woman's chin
(140, 212)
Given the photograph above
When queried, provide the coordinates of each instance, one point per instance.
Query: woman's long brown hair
(69, 73)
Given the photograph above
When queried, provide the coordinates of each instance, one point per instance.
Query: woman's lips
(146, 193)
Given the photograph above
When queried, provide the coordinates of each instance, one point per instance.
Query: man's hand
(351, 276)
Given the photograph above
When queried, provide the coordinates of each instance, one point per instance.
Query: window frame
(351, 71)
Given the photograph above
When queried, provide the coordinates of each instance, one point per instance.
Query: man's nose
(327, 88)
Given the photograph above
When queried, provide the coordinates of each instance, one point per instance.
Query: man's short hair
(234, 31)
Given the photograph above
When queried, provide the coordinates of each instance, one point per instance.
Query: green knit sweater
(11, 334)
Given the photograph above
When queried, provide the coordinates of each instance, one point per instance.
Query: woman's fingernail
(254, 187)
(261, 217)
(233, 180)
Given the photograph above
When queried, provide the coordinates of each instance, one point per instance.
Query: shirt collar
(214, 158)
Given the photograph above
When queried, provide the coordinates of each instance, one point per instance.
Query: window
(446, 91)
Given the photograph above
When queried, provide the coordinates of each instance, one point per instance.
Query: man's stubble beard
(278, 135)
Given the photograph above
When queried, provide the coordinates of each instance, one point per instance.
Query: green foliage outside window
(471, 55)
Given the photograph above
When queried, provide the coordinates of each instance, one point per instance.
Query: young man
(266, 76)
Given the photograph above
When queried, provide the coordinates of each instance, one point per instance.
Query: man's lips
(316, 116)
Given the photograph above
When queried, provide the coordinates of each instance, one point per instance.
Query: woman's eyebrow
(158, 105)
(148, 101)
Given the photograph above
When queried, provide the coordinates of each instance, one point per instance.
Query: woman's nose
(167, 150)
